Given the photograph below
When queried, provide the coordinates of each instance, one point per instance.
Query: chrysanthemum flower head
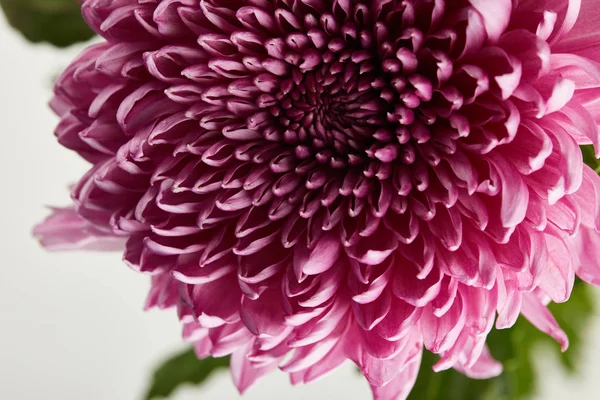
(312, 181)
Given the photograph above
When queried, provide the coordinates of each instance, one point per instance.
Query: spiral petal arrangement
(312, 181)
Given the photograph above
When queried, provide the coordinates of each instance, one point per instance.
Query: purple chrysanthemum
(311, 181)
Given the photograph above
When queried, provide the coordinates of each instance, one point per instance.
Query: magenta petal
(164, 292)
(331, 361)
(328, 363)
(322, 326)
(319, 259)
(381, 348)
(415, 291)
(195, 274)
(226, 339)
(398, 321)
(202, 344)
(369, 291)
(207, 303)
(374, 249)
(440, 333)
(310, 355)
(260, 318)
(368, 315)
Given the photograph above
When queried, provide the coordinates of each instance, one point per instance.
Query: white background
(72, 325)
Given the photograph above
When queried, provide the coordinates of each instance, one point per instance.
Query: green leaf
(183, 368)
(58, 22)
(589, 157)
(514, 348)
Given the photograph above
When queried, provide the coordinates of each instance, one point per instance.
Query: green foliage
(58, 22)
(590, 158)
(514, 348)
(183, 368)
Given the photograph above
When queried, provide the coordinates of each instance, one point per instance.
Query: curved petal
(496, 16)
(245, 375)
(542, 318)
(401, 385)
(584, 37)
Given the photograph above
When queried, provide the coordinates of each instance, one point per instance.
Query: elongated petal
(541, 318)
(66, 230)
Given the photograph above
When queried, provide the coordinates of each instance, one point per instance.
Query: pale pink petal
(66, 230)
(244, 375)
(398, 321)
(515, 196)
(485, 367)
(381, 372)
(583, 38)
(557, 282)
(495, 16)
(587, 245)
(400, 387)
(542, 318)
(568, 12)
(509, 302)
